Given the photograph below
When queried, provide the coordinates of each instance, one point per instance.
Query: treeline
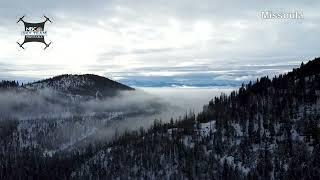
(7, 84)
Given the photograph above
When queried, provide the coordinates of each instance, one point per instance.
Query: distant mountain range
(87, 85)
(84, 85)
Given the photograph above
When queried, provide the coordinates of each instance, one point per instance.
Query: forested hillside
(268, 129)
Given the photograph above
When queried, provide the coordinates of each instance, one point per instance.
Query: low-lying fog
(178, 102)
(187, 98)
(139, 108)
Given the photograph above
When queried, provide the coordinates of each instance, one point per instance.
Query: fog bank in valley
(187, 98)
(101, 118)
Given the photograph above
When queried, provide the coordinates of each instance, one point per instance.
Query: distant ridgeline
(82, 85)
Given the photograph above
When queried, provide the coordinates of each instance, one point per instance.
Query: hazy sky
(159, 42)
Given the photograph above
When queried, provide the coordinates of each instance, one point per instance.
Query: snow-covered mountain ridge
(85, 85)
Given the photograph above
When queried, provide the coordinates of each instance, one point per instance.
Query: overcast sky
(169, 42)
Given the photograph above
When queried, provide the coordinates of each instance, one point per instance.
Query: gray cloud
(145, 36)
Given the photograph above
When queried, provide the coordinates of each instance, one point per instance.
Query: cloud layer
(171, 41)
